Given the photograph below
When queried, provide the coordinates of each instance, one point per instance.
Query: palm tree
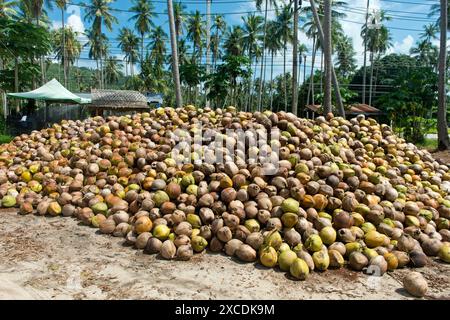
(443, 140)
(429, 32)
(175, 64)
(234, 44)
(312, 32)
(345, 56)
(219, 26)
(302, 49)
(377, 40)
(158, 39)
(143, 19)
(195, 33)
(7, 8)
(179, 18)
(426, 53)
(67, 48)
(112, 70)
(267, 3)
(252, 32)
(96, 48)
(128, 43)
(435, 9)
(99, 13)
(283, 30)
(273, 45)
(62, 4)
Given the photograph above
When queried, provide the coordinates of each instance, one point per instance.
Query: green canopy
(51, 91)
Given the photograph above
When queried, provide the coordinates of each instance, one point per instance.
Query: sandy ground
(57, 258)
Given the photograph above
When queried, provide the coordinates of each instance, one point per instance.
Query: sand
(58, 258)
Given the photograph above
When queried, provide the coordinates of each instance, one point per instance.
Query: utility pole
(208, 36)
(327, 53)
(337, 92)
(443, 140)
(263, 59)
(365, 55)
(173, 43)
(294, 104)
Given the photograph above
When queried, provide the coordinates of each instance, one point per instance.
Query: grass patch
(428, 144)
(5, 138)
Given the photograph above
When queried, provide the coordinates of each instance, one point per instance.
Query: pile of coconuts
(345, 192)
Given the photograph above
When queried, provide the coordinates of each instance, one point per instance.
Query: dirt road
(56, 258)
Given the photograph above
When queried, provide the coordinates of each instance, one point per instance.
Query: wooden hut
(353, 110)
(108, 102)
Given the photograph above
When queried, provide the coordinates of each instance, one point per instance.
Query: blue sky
(408, 18)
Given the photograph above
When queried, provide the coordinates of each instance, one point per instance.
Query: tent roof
(51, 91)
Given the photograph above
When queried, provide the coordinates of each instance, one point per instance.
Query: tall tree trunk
(311, 76)
(64, 47)
(377, 68)
(443, 140)
(247, 99)
(321, 70)
(337, 91)
(304, 68)
(271, 84)
(327, 53)
(173, 43)
(142, 49)
(365, 56)
(371, 78)
(261, 83)
(16, 79)
(294, 61)
(285, 78)
(208, 30)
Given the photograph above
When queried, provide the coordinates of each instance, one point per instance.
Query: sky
(407, 20)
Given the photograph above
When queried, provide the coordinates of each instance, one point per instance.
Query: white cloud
(404, 46)
(74, 21)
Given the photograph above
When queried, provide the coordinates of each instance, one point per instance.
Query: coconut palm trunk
(327, 54)
(371, 77)
(285, 78)
(443, 140)
(365, 56)
(294, 61)
(311, 77)
(64, 47)
(262, 67)
(175, 66)
(271, 79)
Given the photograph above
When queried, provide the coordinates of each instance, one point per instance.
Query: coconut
(161, 232)
(268, 257)
(255, 240)
(168, 250)
(374, 239)
(215, 245)
(107, 226)
(431, 247)
(418, 259)
(357, 260)
(184, 252)
(377, 266)
(183, 228)
(299, 269)
(286, 258)
(328, 235)
(444, 253)
(273, 239)
(336, 259)
(415, 284)
(153, 245)
(143, 224)
(402, 258)
(231, 246)
(321, 260)
(142, 239)
(313, 243)
(198, 243)
(290, 205)
(338, 246)
(246, 253)
(292, 237)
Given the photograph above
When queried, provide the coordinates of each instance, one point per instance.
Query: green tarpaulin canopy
(51, 91)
